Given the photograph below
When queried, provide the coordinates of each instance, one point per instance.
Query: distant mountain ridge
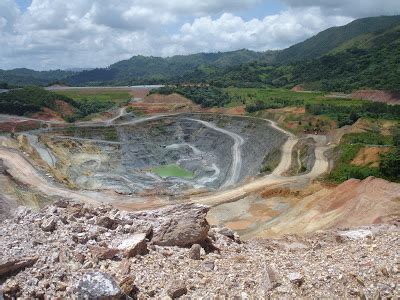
(357, 39)
(328, 40)
(158, 69)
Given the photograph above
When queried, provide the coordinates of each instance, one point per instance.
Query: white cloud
(231, 32)
(353, 8)
(88, 33)
(8, 14)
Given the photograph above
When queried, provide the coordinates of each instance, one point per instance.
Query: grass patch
(285, 97)
(98, 95)
(172, 171)
(367, 138)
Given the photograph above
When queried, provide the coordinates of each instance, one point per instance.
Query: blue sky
(95, 33)
(263, 9)
(24, 4)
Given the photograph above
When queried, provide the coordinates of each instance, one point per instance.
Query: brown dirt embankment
(369, 156)
(389, 97)
(353, 203)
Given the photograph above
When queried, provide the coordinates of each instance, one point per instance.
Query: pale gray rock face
(357, 234)
(97, 285)
(202, 144)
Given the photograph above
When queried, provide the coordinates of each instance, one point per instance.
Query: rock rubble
(172, 252)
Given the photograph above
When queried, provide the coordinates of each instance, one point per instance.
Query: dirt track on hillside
(19, 168)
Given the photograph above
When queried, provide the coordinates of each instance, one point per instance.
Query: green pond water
(172, 171)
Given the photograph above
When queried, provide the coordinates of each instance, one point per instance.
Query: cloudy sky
(50, 34)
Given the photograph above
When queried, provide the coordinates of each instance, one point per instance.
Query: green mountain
(363, 53)
(369, 60)
(142, 69)
(249, 68)
(327, 41)
(24, 76)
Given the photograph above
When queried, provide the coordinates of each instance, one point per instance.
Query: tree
(390, 164)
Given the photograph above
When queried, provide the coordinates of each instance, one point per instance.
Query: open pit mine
(151, 207)
(169, 154)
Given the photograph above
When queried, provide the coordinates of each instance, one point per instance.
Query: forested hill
(327, 41)
(23, 77)
(368, 61)
(364, 53)
(157, 69)
(205, 66)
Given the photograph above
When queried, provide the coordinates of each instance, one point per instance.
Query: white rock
(357, 234)
(134, 245)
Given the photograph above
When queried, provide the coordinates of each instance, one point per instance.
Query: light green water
(172, 171)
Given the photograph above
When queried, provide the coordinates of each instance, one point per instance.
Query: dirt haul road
(19, 168)
(236, 164)
(22, 170)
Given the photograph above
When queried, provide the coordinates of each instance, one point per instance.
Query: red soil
(64, 108)
(15, 126)
(140, 92)
(298, 88)
(167, 99)
(378, 96)
(47, 115)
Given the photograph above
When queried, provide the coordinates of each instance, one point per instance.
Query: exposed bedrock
(214, 152)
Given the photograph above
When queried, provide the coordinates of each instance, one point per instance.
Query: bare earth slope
(353, 203)
(378, 96)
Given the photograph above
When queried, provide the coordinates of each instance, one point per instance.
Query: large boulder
(185, 225)
(98, 285)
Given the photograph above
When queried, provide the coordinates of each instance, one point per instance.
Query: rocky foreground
(69, 250)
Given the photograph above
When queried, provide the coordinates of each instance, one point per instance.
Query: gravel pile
(69, 250)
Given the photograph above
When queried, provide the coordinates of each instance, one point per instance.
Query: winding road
(236, 164)
(121, 112)
(20, 168)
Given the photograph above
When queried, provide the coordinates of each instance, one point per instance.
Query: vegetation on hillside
(368, 61)
(23, 102)
(348, 115)
(30, 100)
(154, 70)
(390, 162)
(364, 53)
(328, 40)
(389, 166)
(206, 96)
(26, 77)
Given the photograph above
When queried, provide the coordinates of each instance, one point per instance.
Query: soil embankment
(388, 97)
(280, 211)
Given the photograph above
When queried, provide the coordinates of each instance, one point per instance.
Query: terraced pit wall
(219, 150)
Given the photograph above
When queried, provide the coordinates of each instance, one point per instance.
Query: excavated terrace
(197, 151)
